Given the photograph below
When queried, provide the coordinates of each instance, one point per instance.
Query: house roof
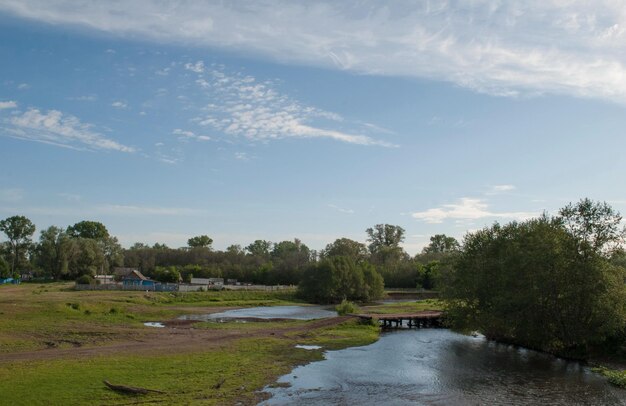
(135, 274)
(123, 271)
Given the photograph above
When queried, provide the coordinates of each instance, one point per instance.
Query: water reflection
(267, 312)
(438, 367)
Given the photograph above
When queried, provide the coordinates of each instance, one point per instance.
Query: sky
(248, 120)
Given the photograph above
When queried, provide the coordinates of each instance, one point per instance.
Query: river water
(439, 367)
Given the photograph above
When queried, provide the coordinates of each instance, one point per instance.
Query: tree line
(87, 248)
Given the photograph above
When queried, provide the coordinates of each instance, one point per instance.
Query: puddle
(267, 313)
(154, 324)
(309, 347)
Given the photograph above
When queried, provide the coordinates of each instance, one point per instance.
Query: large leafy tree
(203, 241)
(347, 248)
(89, 259)
(336, 278)
(441, 243)
(260, 248)
(532, 284)
(55, 251)
(384, 236)
(104, 249)
(596, 226)
(88, 229)
(19, 231)
(384, 244)
(289, 258)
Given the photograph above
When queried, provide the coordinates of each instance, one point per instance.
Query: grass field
(57, 345)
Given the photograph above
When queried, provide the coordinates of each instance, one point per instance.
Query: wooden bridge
(427, 318)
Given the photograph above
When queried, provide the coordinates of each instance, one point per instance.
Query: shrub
(346, 307)
(84, 280)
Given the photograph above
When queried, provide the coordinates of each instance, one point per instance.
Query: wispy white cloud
(23, 86)
(197, 67)
(119, 104)
(57, 128)
(185, 134)
(10, 104)
(241, 106)
(500, 47)
(467, 209)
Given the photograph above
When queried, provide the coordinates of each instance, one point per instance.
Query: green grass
(244, 367)
(404, 307)
(36, 316)
(352, 333)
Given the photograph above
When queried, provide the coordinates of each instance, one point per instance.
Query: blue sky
(282, 120)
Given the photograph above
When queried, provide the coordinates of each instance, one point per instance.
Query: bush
(346, 307)
(337, 278)
(84, 280)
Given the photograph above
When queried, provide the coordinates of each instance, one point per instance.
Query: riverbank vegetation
(86, 249)
(550, 283)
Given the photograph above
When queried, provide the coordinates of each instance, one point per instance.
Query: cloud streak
(57, 128)
(502, 48)
(467, 209)
(8, 105)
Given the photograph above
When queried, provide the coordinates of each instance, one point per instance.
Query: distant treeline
(87, 248)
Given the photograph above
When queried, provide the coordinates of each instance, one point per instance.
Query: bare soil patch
(178, 336)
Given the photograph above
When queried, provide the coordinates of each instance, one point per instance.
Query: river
(439, 367)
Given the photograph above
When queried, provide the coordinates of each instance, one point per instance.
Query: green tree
(89, 259)
(441, 243)
(347, 248)
(289, 258)
(55, 250)
(260, 248)
(19, 231)
(167, 274)
(531, 284)
(595, 226)
(88, 229)
(203, 241)
(336, 278)
(384, 236)
(391, 261)
(5, 269)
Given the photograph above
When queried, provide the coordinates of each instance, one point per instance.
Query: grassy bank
(404, 307)
(614, 376)
(223, 363)
(54, 315)
(228, 375)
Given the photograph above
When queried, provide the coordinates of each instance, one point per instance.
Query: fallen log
(130, 389)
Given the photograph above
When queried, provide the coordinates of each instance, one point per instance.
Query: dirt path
(180, 337)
